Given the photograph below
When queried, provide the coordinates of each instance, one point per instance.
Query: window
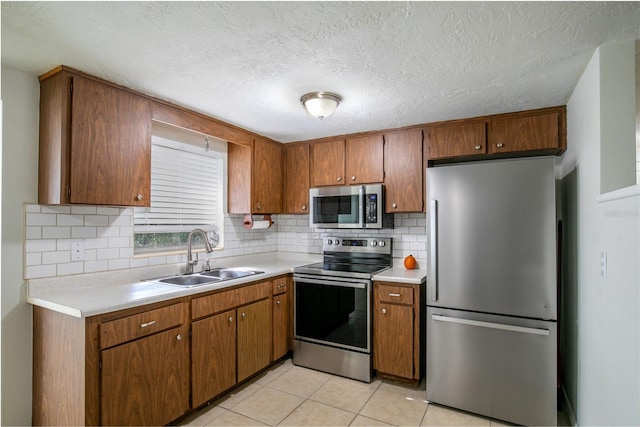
(186, 193)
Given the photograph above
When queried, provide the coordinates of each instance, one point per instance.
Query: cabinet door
(239, 175)
(213, 356)
(524, 133)
(296, 178)
(254, 338)
(280, 325)
(146, 382)
(403, 172)
(327, 163)
(465, 139)
(364, 159)
(110, 146)
(266, 185)
(393, 339)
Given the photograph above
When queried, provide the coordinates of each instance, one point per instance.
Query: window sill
(623, 193)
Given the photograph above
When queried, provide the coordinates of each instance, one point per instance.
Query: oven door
(334, 311)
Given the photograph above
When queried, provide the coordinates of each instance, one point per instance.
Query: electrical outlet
(77, 251)
(603, 264)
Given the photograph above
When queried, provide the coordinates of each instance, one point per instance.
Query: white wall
(601, 332)
(20, 94)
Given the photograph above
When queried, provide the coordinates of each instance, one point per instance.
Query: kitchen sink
(190, 280)
(229, 273)
(205, 277)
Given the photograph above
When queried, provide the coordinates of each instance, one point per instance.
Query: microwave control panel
(371, 208)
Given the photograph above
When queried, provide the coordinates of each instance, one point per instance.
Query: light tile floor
(288, 395)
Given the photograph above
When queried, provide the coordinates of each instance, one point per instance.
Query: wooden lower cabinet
(230, 338)
(135, 366)
(393, 341)
(254, 338)
(213, 355)
(397, 337)
(282, 318)
(146, 381)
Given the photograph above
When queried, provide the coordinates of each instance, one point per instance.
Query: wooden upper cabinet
(525, 132)
(266, 174)
(403, 171)
(296, 178)
(327, 163)
(364, 159)
(95, 143)
(533, 132)
(455, 140)
(255, 177)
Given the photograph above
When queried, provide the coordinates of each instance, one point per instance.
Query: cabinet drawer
(280, 286)
(139, 325)
(397, 294)
(225, 300)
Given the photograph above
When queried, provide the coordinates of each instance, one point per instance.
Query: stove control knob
(329, 242)
(337, 242)
(381, 243)
(374, 243)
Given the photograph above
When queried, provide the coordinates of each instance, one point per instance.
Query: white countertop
(92, 294)
(399, 274)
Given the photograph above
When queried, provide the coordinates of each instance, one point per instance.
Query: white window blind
(186, 188)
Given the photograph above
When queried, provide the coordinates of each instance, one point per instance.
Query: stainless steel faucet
(207, 246)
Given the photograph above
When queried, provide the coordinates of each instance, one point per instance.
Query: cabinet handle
(179, 337)
(353, 178)
(394, 205)
(144, 325)
(384, 311)
(243, 315)
(281, 286)
(500, 145)
(278, 302)
(304, 207)
(477, 147)
(259, 207)
(394, 295)
(230, 319)
(139, 197)
(339, 179)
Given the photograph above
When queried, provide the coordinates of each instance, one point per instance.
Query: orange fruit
(410, 262)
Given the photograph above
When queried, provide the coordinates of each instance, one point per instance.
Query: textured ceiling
(394, 63)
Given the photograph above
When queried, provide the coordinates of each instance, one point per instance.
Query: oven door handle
(356, 285)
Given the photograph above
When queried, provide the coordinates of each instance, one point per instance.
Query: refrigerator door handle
(490, 325)
(433, 267)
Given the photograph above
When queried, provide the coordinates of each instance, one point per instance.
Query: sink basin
(191, 280)
(229, 273)
(206, 277)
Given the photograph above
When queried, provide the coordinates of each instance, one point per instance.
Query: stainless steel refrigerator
(491, 289)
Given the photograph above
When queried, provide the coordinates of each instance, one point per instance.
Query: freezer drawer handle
(490, 325)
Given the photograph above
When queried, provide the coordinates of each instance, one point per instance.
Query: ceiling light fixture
(320, 104)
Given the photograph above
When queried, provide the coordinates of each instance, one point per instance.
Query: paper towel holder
(249, 222)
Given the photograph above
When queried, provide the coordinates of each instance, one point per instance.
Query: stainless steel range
(332, 306)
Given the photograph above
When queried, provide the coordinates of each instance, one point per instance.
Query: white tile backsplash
(107, 234)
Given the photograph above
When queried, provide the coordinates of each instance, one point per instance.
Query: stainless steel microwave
(355, 206)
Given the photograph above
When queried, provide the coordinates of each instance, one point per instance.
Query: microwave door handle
(362, 205)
